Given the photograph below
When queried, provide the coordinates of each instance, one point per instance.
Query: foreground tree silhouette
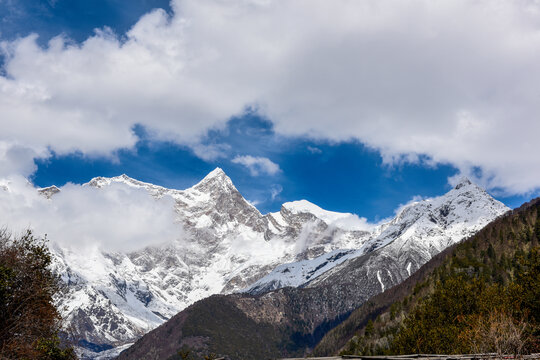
(29, 321)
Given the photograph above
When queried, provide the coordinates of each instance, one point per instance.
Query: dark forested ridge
(29, 321)
(239, 326)
(482, 295)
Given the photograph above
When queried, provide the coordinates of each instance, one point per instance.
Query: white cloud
(210, 152)
(257, 165)
(275, 190)
(453, 79)
(18, 159)
(117, 217)
(353, 223)
(254, 202)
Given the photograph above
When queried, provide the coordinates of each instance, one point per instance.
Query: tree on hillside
(29, 321)
(470, 313)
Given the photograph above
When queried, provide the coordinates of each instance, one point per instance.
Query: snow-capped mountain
(290, 321)
(418, 232)
(227, 245)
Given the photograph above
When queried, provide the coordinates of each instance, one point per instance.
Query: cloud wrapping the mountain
(113, 218)
(455, 80)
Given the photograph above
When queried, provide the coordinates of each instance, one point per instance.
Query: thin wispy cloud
(314, 150)
(210, 152)
(257, 165)
(275, 190)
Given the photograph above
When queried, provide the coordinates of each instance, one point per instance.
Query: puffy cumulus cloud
(257, 165)
(454, 80)
(114, 218)
(18, 159)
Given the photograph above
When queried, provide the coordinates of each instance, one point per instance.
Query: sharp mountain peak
(463, 181)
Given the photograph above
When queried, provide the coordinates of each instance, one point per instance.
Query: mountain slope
(296, 319)
(419, 231)
(482, 270)
(225, 245)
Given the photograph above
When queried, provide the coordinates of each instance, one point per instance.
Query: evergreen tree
(29, 321)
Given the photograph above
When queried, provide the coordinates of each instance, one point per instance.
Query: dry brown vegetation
(499, 332)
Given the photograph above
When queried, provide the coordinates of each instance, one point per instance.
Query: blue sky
(75, 18)
(337, 172)
(344, 177)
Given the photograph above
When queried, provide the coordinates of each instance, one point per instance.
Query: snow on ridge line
(431, 224)
(101, 180)
(304, 206)
(345, 221)
(215, 173)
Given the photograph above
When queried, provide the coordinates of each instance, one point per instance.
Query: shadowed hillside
(466, 299)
